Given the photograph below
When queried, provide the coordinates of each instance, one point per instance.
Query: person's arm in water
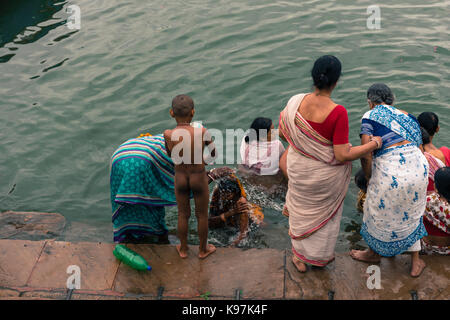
(241, 207)
(345, 152)
(366, 160)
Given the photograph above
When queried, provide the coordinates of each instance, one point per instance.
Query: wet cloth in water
(396, 194)
(142, 183)
(314, 201)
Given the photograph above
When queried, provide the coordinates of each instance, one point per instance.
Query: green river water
(69, 97)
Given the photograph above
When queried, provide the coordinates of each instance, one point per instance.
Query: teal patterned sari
(142, 184)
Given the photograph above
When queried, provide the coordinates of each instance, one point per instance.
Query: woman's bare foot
(417, 266)
(301, 267)
(209, 249)
(183, 253)
(365, 255)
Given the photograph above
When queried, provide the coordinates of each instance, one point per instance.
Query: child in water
(190, 174)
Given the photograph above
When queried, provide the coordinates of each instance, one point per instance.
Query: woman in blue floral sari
(398, 179)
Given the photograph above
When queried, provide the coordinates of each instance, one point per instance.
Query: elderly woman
(398, 178)
(318, 166)
(142, 184)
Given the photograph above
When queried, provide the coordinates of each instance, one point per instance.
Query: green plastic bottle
(131, 258)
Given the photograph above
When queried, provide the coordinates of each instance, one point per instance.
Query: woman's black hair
(442, 182)
(379, 93)
(429, 121)
(326, 72)
(257, 125)
(230, 185)
(425, 136)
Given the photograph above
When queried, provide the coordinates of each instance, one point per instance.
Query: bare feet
(417, 267)
(209, 249)
(301, 267)
(183, 253)
(365, 255)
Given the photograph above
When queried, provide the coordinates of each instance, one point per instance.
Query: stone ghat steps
(38, 270)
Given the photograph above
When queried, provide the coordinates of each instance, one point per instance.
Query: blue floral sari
(396, 194)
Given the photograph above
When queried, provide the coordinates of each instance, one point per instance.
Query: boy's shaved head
(182, 105)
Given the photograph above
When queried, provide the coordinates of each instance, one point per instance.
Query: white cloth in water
(263, 157)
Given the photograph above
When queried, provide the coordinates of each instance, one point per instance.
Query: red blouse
(446, 152)
(335, 127)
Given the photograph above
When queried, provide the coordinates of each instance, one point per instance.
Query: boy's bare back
(185, 145)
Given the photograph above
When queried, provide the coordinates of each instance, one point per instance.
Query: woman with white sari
(398, 179)
(318, 166)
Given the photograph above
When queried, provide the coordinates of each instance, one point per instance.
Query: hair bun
(323, 80)
(326, 71)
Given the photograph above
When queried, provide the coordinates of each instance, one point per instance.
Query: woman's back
(326, 117)
(316, 108)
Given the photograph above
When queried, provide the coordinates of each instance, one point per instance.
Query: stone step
(38, 270)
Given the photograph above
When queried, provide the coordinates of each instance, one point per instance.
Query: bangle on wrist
(376, 142)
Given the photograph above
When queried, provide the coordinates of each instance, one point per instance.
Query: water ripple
(69, 98)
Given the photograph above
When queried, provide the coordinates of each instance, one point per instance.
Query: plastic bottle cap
(149, 268)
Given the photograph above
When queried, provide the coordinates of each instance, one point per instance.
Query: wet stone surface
(229, 273)
(31, 225)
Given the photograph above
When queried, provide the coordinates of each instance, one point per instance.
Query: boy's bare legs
(184, 211)
(198, 183)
